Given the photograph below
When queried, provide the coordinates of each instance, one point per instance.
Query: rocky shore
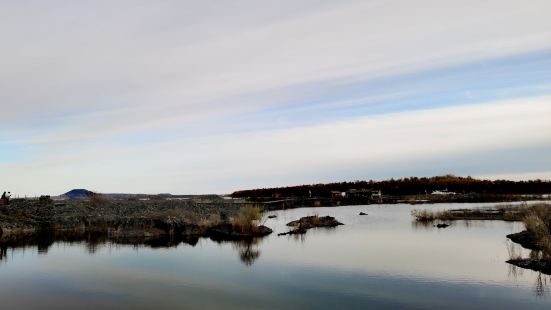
(124, 221)
(539, 265)
(526, 239)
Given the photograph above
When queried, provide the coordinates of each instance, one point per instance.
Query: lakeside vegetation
(538, 222)
(447, 188)
(129, 221)
(156, 220)
(499, 213)
(536, 237)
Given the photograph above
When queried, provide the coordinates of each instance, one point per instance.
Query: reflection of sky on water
(379, 260)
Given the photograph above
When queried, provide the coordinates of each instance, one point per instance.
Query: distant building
(442, 192)
(336, 195)
(364, 193)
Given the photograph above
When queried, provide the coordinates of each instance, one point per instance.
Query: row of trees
(407, 186)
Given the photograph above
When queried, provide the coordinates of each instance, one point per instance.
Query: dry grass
(429, 216)
(247, 219)
(503, 213)
(212, 220)
(538, 221)
(315, 218)
(97, 200)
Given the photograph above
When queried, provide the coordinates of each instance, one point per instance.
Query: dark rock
(526, 239)
(362, 213)
(442, 225)
(223, 216)
(296, 231)
(227, 231)
(190, 230)
(308, 222)
(272, 216)
(539, 265)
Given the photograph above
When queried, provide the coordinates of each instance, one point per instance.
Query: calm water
(382, 261)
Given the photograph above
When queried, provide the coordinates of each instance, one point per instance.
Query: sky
(216, 96)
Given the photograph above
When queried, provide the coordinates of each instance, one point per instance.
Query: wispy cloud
(105, 82)
(446, 138)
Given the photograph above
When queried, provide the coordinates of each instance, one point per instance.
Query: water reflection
(248, 250)
(542, 284)
(382, 260)
(424, 225)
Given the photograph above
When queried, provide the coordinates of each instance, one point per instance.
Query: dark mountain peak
(78, 193)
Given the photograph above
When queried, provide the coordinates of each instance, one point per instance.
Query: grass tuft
(247, 219)
(538, 221)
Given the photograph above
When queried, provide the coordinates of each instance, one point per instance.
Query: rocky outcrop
(308, 222)
(540, 265)
(526, 239)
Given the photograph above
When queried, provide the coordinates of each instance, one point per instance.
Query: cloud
(445, 137)
(72, 59)
(185, 96)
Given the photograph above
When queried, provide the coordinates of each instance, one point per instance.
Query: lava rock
(307, 222)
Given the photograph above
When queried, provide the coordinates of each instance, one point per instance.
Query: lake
(380, 261)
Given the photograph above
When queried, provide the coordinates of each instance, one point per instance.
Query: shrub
(538, 221)
(247, 218)
(212, 220)
(97, 200)
(45, 200)
(315, 219)
(425, 215)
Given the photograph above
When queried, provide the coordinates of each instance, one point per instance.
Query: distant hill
(81, 193)
(77, 194)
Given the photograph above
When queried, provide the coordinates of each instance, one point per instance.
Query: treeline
(406, 186)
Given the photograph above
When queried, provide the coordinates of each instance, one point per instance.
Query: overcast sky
(217, 96)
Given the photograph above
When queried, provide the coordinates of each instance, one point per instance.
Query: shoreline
(135, 221)
(122, 220)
